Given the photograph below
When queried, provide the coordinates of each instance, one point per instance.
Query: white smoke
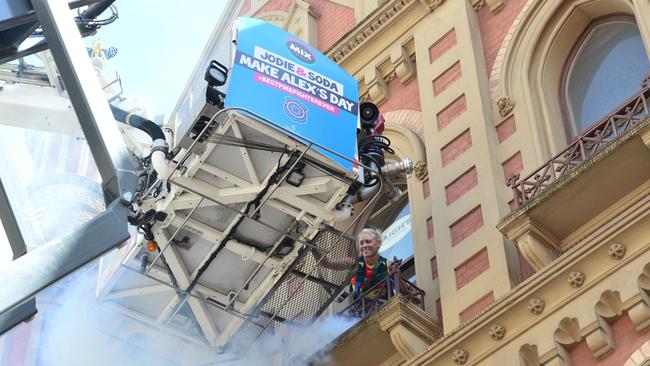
(77, 330)
(295, 347)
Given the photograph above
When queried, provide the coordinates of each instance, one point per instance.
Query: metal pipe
(397, 169)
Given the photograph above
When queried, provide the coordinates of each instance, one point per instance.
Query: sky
(159, 43)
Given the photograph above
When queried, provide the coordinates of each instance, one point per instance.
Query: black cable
(376, 141)
(87, 18)
(375, 179)
(138, 122)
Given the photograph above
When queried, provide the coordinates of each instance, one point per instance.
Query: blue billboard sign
(284, 79)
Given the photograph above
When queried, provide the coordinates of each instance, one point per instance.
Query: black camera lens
(369, 113)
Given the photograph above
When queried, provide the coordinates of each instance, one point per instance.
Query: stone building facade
(529, 206)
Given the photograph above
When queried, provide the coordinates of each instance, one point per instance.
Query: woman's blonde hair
(374, 232)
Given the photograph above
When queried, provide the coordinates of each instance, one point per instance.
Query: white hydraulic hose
(159, 159)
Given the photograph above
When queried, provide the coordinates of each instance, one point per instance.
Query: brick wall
(434, 268)
(512, 166)
(275, 5)
(506, 128)
(442, 45)
(451, 112)
(335, 21)
(456, 147)
(444, 80)
(466, 225)
(626, 341)
(472, 268)
(495, 27)
(476, 307)
(430, 227)
(245, 8)
(461, 185)
(402, 96)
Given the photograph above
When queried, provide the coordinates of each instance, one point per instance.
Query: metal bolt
(127, 196)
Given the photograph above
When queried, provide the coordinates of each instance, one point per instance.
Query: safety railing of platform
(393, 285)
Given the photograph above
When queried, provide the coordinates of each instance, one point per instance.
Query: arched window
(606, 69)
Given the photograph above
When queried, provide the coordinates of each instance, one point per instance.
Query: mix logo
(295, 110)
(302, 52)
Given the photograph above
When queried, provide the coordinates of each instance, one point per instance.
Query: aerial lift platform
(243, 215)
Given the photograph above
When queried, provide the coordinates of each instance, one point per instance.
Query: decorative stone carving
(568, 332)
(369, 27)
(459, 356)
(608, 308)
(277, 18)
(478, 4)
(421, 171)
(576, 279)
(536, 305)
(566, 336)
(377, 89)
(495, 5)
(302, 21)
(404, 67)
(497, 332)
(529, 355)
(505, 106)
(537, 245)
(599, 342)
(411, 330)
(616, 251)
(640, 312)
(432, 4)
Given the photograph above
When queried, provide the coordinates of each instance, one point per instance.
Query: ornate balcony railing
(373, 298)
(606, 130)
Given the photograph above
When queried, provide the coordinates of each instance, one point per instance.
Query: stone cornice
(414, 318)
(364, 324)
(374, 24)
(519, 296)
(524, 225)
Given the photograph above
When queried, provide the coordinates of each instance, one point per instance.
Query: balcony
(588, 144)
(605, 171)
(393, 326)
(378, 295)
